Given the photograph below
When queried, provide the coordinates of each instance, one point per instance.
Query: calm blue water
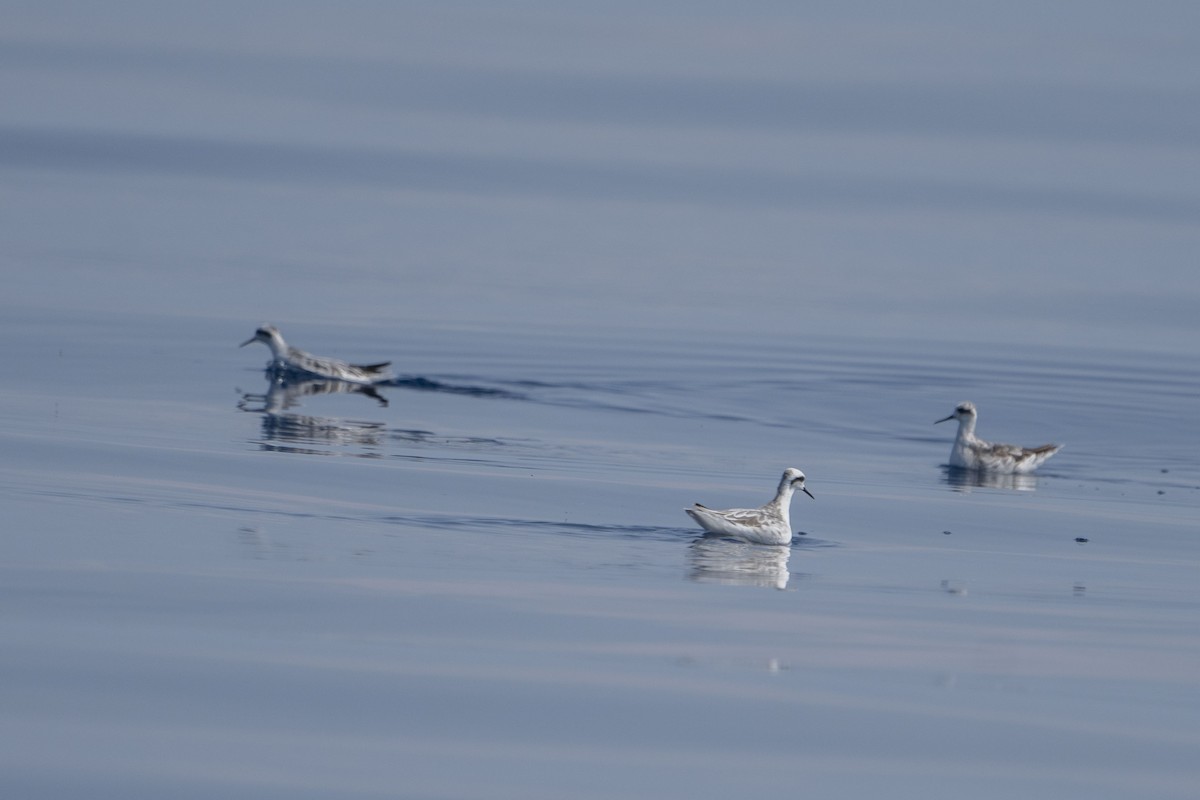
(623, 260)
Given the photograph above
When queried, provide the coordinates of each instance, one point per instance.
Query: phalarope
(971, 452)
(770, 524)
(293, 360)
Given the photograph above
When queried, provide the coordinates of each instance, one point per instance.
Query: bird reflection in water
(717, 559)
(966, 480)
(285, 391)
(283, 430)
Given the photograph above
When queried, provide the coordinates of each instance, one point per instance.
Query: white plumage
(291, 359)
(971, 452)
(770, 524)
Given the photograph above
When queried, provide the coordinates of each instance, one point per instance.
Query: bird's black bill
(807, 492)
(947, 419)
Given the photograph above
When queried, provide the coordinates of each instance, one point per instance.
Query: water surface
(623, 261)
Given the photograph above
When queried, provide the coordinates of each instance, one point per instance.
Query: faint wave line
(62, 149)
(1030, 111)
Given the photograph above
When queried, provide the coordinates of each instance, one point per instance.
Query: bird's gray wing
(753, 517)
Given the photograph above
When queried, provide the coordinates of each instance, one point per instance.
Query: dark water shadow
(286, 388)
(423, 384)
(450, 523)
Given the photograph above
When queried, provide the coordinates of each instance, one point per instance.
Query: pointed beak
(807, 492)
(945, 419)
(248, 341)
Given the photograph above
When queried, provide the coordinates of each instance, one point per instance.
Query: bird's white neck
(783, 495)
(279, 348)
(782, 503)
(966, 428)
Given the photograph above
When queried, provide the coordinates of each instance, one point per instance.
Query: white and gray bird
(770, 524)
(292, 359)
(971, 452)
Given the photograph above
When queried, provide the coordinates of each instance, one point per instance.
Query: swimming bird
(971, 452)
(293, 360)
(770, 524)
